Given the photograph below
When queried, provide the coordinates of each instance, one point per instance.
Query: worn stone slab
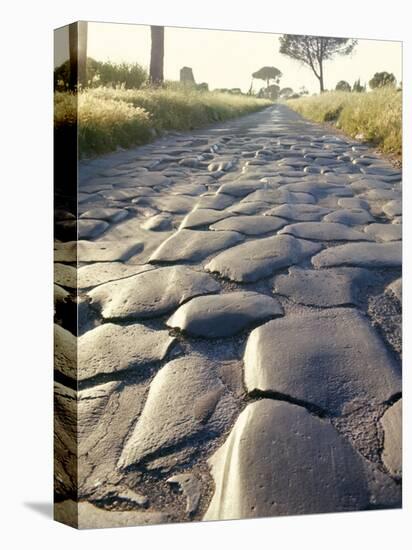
(103, 272)
(381, 195)
(324, 288)
(90, 229)
(186, 399)
(299, 212)
(396, 289)
(65, 352)
(281, 460)
(85, 515)
(159, 222)
(279, 196)
(112, 215)
(364, 184)
(324, 231)
(201, 217)
(111, 348)
(261, 258)
(240, 189)
(330, 359)
(393, 208)
(191, 487)
(350, 216)
(65, 275)
(370, 255)
(97, 251)
(126, 194)
(60, 296)
(249, 225)
(174, 204)
(192, 246)
(384, 232)
(223, 315)
(152, 293)
(215, 202)
(391, 423)
(249, 208)
(353, 203)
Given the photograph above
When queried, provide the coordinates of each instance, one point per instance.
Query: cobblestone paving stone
(238, 297)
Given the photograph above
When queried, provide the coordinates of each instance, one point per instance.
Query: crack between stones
(313, 409)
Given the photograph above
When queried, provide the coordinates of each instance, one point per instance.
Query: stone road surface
(239, 328)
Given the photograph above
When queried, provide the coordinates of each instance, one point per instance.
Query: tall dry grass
(110, 118)
(376, 115)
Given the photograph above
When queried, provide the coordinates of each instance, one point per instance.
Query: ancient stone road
(239, 328)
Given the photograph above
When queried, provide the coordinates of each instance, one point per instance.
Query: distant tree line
(379, 80)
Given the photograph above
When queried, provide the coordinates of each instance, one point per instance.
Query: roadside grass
(376, 115)
(110, 118)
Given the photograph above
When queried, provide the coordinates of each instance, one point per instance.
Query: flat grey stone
(353, 203)
(361, 255)
(65, 275)
(60, 296)
(97, 251)
(215, 202)
(84, 515)
(191, 189)
(280, 460)
(220, 166)
(191, 488)
(90, 229)
(174, 204)
(249, 225)
(393, 208)
(65, 352)
(391, 423)
(111, 348)
(381, 195)
(103, 272)
(201, 217)
(112, 215)
(396, 289)
(279, 196)
(324, 288)
(126, 194)
(384, 232)
(152, 293)
(239, 189)
(160, 222)
(186, 398)
(381, 169)
(352, 216)
(324, 231)
(299, 212)
(249, 208)
(223, 315)
(193, 246)
(331, 359)
(364, 184)
(261, 258)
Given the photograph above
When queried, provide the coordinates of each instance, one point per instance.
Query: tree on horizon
(267, 74)
(313, 51)
(379, 80)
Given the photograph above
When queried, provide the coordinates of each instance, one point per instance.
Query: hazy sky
(226, 59)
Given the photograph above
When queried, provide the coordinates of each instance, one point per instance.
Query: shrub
(343, 86)
(377, 114)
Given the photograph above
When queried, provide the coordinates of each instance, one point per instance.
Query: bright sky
(226, 59)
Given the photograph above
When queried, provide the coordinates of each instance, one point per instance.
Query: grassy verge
(376, 115)
(111, 118)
